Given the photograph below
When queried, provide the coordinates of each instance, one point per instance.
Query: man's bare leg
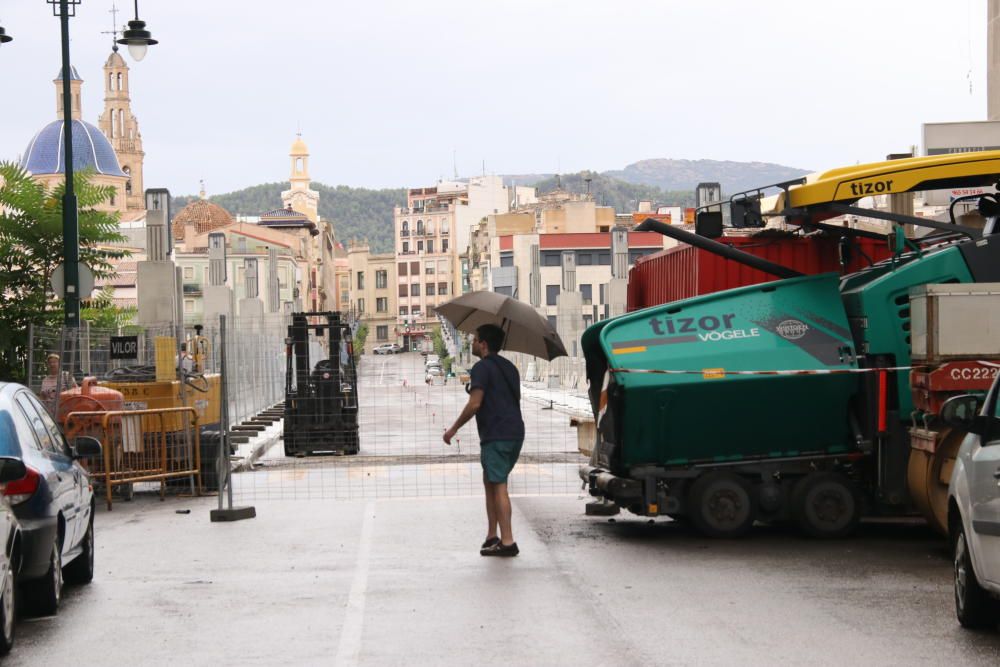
(491, 508)
(501, 502)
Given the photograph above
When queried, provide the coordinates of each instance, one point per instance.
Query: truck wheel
(721, 505)
(826, 505)
(973, 606)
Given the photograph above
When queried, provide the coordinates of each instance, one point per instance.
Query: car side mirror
(11, 469)
(962, 412)
(86, 447)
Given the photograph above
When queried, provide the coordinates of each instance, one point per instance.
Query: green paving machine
(788, 400)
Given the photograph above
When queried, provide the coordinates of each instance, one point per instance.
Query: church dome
(299, 147)
(204, 215)
(91, 149)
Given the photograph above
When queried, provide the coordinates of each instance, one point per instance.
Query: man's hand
(449, 434)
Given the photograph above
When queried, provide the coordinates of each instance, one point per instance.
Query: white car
(386, 348)
(432, 360)
(974, 508)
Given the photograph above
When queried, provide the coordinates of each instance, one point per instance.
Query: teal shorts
(498, 458)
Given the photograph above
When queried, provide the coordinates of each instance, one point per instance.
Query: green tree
(31, 247)
(102, 313)
(360, 336)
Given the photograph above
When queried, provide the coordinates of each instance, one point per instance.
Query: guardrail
(141, 446)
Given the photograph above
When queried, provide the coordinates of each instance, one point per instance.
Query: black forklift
(321, 399)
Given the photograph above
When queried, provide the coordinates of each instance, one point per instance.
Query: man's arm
(468, 412)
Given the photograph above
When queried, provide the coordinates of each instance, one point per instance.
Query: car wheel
(81, 570)
(721, 505)
(7, 606)
(826, 505)
(46, 592)
(973, 605)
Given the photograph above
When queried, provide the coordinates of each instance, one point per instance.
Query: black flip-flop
(490, 542)
(502, 550)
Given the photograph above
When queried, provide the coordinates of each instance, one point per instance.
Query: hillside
(357, 213)
(686, 174)
(360, 213)
(621, 195)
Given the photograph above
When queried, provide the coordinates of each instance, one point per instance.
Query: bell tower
(299, 197)
(122, 129)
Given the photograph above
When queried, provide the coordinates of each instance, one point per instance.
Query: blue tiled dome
(91, 149)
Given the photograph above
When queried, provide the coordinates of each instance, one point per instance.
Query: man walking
(495, 400)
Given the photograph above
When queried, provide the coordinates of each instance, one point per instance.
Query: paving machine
(321, 397)
(791, 399)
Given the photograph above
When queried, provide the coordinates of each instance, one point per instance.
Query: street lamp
(137, 38)
(65, 9)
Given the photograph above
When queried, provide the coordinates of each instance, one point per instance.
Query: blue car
(53, 501)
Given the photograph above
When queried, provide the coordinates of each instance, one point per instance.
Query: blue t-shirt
(499, 415)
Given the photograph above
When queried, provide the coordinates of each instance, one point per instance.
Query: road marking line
(349, 648)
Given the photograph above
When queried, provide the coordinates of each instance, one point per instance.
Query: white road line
(349, 648)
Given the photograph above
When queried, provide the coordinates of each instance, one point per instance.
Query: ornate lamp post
(138, 40)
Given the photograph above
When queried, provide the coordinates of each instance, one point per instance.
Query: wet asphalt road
(389, 582)
(339, 569)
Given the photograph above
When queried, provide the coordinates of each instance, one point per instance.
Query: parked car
(10, 531)
(974, 508)
(53, 500)
(432, 360)
(431, 372)
(385, 348)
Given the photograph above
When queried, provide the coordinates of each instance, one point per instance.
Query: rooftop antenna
(587, 180)
(114, 27)
(454, 162)
(484, 167)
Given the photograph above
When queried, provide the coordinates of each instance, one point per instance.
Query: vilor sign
(124, 347)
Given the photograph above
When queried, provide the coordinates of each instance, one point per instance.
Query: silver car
(974, 508)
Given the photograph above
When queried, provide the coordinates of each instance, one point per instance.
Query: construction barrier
(141, 446)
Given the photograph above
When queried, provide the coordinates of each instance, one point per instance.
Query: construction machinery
(321, 397)
(791, 399)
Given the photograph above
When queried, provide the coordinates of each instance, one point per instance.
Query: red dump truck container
(684, 271)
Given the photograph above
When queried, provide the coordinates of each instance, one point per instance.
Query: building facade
(373, 291)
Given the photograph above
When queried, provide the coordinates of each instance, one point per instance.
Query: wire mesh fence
(309, 418)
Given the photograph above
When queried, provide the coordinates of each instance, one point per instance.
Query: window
(551, 259)
(420, 227)
(382, 304)
(414, 269)
(444, 226)
(506, 290)
(584, 258)
(361, 306)
(430, 312)
(552, 321)
(588, 320)
(551, 292)
(361, 279)
(381, 279)
(406, 247)
(34, 417)
(188, 273)
(429, 289)
(402, 290)
(444, 245)
(507, 259)
(604, 259)
(188, 305)
(403, 310)
(603, 293)
(429, 268)
(587, 291)
(402, 268)
(420, 246)
(405, 231)
(382, 332)
(430, 245)
(415, 289)
(430, 227)
(442, 288)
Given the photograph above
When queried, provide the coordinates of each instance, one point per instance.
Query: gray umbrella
(527, 331)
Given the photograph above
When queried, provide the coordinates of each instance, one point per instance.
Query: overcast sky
(387, 91)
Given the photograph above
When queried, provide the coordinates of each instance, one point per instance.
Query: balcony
(404, 232)
(193, 290)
